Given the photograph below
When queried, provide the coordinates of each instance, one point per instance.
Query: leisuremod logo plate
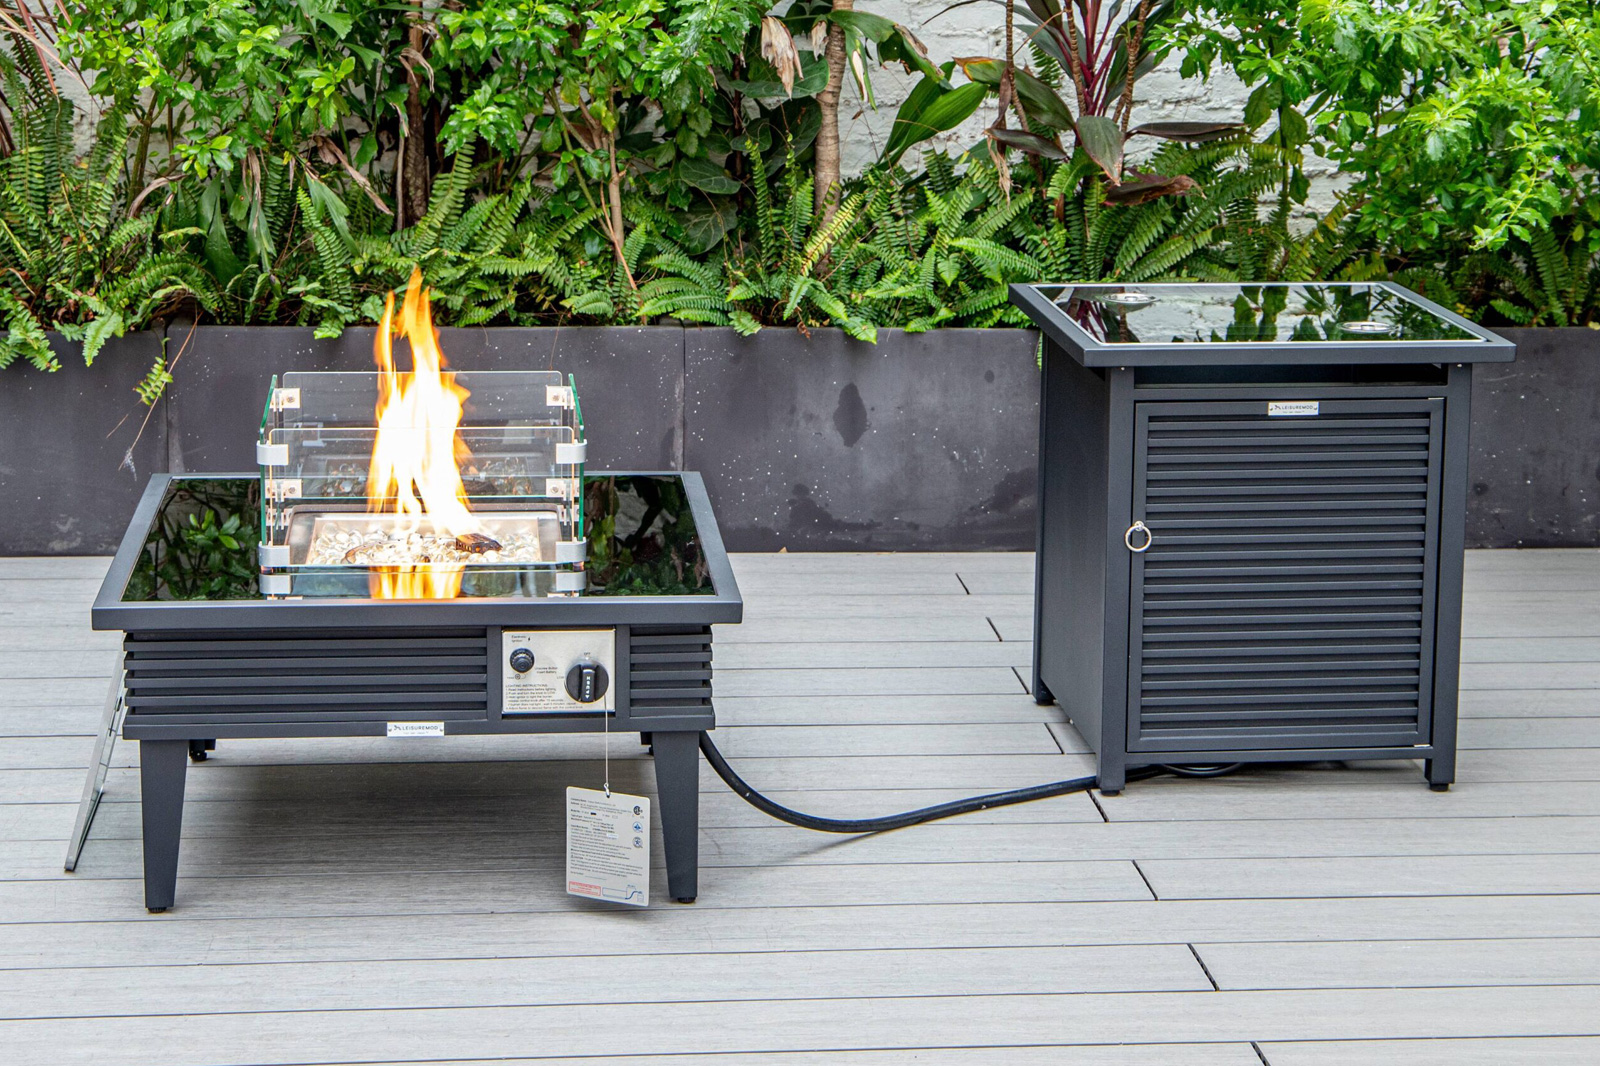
(416, 729)
(1293, 408)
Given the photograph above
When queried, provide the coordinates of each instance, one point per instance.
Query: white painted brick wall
(979, 30)
(974, 30)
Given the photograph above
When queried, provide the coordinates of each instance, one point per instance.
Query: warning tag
(608, 846)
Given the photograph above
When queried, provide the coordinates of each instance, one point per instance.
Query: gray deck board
(732, 1028)
(1099, 1054)
(378, 901)
(211, 932)
(1403, 963)
(1530, 1051)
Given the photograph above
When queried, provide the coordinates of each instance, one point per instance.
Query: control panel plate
(542, 687)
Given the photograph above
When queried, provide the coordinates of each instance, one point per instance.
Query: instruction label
(541, 688)
(608, 846)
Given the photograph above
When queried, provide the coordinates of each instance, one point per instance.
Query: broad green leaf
(872, 27)
(1031, 143)
(706, 176)
(902, 46)
(1266, 99)
(930, 110)
(1040, 102)
(337, 21)
(1187, 132)
(706, 224)
(1102, 139)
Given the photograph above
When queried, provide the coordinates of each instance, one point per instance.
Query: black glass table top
(1208, 314)
(642, 541)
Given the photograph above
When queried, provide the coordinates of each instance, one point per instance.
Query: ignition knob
(522, 660)
(587, 682)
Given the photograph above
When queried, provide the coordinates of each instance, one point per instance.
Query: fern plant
(1212, 234)
(942, 250)
(70, 259)
(786, 277)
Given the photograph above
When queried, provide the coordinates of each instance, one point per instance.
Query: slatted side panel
(1287, 596)
(376, 674)
(669, 670)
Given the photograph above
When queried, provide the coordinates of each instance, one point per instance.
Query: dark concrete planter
(1536, 443)
(922, 441)
(76, 448)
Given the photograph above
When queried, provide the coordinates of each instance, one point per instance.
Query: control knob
(587, 682)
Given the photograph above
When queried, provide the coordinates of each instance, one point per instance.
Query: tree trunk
(415, 163)
(827, 162)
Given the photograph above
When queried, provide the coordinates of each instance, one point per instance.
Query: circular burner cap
(1132, 299)
(1370, 327)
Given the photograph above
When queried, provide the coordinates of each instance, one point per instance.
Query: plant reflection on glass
(202, 545)
(642, 539)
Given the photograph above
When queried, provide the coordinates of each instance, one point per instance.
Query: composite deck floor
(401, 900)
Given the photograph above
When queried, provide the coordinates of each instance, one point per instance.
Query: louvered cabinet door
(1286, 599)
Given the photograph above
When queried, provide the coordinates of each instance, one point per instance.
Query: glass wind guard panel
(1354, 313)
(515, 449)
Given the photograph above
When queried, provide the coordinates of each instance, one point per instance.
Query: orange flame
(416, 457)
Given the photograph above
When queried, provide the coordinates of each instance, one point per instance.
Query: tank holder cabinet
(1251, 512)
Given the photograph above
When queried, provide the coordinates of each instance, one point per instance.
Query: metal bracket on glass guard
(94, 785)
(558, 396)
(572, 551)
(285, 399)
(571, 454)
(272, 555)
(271, 454)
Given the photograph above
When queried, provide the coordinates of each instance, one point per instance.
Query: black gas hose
(924, 814)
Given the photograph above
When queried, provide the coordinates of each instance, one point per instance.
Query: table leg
(94, 784)
(162, 765)
(678, 799)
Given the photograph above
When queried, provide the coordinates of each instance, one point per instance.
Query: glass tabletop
(202, 546)
(1342, 313)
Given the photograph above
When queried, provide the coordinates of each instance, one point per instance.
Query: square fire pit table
(208, 656)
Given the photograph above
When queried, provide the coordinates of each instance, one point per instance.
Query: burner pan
(354, 538)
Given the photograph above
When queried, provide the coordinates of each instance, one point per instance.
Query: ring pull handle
(1138, 527)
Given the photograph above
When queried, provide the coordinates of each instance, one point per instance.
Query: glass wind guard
(580, 531)
(1346, 313)
(518, 451)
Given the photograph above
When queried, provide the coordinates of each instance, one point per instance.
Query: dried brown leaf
(777, 48)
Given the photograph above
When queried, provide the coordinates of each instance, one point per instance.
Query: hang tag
(608, 846)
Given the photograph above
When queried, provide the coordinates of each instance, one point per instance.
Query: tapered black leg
(678, 799)
(162, 764)
(1440, 771)
(1113, 776)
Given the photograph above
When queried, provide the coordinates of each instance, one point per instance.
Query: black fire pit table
(209, 656)
(1251, 509)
